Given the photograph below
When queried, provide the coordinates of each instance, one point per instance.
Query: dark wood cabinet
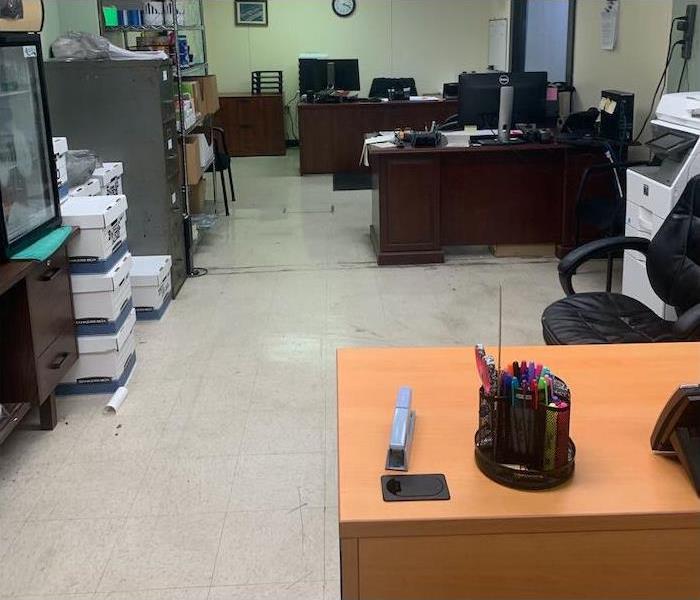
(253, 123)
(37, 335)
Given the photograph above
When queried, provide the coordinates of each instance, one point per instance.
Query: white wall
(636, 63)
(431, 40)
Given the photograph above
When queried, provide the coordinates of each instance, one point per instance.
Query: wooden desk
(37, 336)
(331, 136)
(428, 198)
(253, 123)
(627, 525)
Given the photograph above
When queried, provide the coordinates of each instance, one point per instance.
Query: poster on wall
(249, 13)
(609, 17)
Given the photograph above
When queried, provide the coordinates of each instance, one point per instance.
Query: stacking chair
(222, 162)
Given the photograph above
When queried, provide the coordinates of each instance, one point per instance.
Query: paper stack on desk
(384, 140)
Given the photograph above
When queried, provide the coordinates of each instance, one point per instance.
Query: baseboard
(522, 250)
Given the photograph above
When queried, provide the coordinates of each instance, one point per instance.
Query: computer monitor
(346, 72)
(317, 74)
(479, 98)
(312, 75)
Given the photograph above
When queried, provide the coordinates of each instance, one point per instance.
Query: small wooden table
(626, 526)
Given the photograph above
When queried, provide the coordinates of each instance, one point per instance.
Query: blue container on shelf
(135, 17)
(183, 50)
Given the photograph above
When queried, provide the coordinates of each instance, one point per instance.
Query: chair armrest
(687, 326)
(574, 259)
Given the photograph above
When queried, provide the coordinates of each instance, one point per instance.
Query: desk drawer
(50, 302)
(54, 363)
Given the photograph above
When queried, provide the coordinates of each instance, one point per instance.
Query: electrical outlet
(688, 28)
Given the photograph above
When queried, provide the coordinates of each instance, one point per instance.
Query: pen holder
(522, 445)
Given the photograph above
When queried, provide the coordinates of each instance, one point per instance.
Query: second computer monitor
(479, 98)
(318, 74)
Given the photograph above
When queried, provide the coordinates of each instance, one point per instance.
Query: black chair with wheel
(222, 162)
(673, 267)
(381, 86)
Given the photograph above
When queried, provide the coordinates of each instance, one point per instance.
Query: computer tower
(617, 115)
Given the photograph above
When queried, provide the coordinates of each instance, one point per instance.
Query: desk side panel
(615, 564)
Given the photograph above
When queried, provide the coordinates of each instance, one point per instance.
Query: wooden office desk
(428, 198)
(627, 525)
(331, 136)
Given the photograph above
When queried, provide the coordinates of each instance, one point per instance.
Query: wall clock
(344, 8)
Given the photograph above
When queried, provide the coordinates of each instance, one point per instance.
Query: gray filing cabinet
(125, 111)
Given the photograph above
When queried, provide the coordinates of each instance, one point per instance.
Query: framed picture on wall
(249, 13)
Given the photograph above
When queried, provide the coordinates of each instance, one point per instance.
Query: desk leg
(349, 569)
(47, 413)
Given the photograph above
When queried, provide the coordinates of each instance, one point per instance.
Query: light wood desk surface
(624, 505)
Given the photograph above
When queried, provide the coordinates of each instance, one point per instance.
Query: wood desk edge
(304, 105)
(13, 271)
(520, 524)
(377, 151)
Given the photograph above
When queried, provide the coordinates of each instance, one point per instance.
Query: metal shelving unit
(193, 8)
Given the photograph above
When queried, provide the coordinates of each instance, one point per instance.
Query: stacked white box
(102, 239)
(90, 188)
(100, 278)
(109, 175)
(60, 149)
(105, 363)
(102, 301)
(151, 286)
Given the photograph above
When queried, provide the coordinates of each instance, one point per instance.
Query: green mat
(44, 247)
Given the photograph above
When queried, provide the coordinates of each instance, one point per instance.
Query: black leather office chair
(673, 267)
(604, 212)
(381, 86)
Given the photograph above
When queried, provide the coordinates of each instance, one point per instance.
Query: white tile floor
(217, 480)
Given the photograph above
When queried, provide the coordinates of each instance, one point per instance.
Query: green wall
(431, 40)
(68, 15)
(52, 25)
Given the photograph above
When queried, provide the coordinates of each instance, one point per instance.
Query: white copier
(652, 192)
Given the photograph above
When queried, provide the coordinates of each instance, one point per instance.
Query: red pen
(533, 391)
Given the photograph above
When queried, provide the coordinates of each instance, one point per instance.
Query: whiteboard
(498, 44)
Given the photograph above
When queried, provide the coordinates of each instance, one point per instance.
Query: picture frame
(251, 13)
